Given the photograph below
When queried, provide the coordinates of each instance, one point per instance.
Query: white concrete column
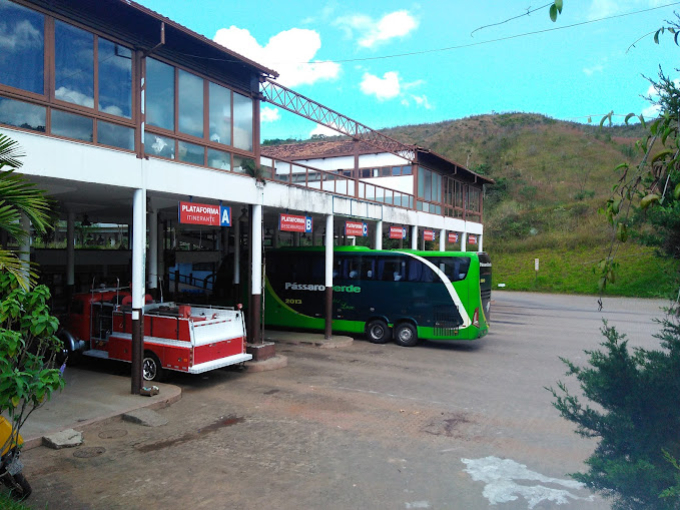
(70, 249)
(328, 278)
(479, 243)
(414, 237)
(138, 247)
(255, 274)
(153, 248)
(442, 240)
(256, 251)
(379, 235)
(463, 240)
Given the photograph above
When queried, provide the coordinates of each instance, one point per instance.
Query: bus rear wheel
(405, 334)
(377, 331)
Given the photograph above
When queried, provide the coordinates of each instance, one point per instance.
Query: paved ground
(465, 426)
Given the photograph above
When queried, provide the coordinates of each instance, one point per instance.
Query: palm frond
(20, 195)
(23, 271)
(10, 150)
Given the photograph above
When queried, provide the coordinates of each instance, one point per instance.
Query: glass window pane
(23, 115)
(238, 165)
(22, 47)
(74, 65)
(72, 126)
(243, 122)
(407, 170)
(160, 94)
(190, 104)
(220, 114)
(191, 153)
(115, 135)
(218, 159)
(115, 79)
(155, 145)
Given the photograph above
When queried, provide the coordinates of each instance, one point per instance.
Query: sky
(398, 62)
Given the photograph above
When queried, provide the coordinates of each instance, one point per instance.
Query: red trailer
(181, 337)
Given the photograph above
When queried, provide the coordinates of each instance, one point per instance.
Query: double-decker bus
(384, 294)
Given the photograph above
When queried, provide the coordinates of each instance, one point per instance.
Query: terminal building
(126, 117)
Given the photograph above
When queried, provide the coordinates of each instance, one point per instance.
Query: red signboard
(472, 239)
(191, 213)
(356, 228)
(428, 235)
(453, 237)
(397, 232)
(292, 223)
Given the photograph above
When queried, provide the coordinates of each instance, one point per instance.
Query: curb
(157, 402)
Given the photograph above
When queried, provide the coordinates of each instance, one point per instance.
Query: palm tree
(18, 196)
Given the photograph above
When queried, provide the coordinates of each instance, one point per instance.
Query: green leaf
(676, 192)
(649, 200)
(661, 155)
(622, 232)
(656, 36)
(558, 4)
(553, 12)
(629, 116)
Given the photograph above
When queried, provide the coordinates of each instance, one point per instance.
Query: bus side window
(390, 270)
(419, 272)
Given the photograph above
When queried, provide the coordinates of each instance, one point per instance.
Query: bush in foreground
(634, 410)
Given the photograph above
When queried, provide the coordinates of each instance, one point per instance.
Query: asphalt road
(464, 426)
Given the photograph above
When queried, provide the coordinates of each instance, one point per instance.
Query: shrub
(635, 416)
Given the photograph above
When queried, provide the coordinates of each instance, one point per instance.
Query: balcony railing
(304, 176)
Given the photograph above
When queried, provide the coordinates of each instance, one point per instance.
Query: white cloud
(290, 53)
(269, 114)
(323, 131)
(422, 101)
(375, 32)
(387, 87)
(604, 8)
(589, 71)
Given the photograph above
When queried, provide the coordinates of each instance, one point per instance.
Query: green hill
(551, 178)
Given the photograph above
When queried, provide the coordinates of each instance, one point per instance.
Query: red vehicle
(181, 337)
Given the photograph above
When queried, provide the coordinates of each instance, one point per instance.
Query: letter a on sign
(225, 216)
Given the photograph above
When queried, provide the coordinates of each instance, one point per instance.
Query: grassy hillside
(551, 178)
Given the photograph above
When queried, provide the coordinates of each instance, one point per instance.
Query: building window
(22, 115)
(243, 122)
(71, 125)
(191, 153)
(73, 65)
(115, 79)
(22, 48)
(115, 135)
(220, 114)
(219, 159)
(160, 94)
(160, 146)
(190, 104)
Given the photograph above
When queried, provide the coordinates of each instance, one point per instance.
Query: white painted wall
(79, 162)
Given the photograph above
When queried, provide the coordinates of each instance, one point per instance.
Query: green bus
(470, 274)
(383, 294)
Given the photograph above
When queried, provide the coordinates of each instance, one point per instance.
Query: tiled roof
(317, 150)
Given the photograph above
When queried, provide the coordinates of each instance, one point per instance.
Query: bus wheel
(152, 370)
(377, 331)
(405, 334)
